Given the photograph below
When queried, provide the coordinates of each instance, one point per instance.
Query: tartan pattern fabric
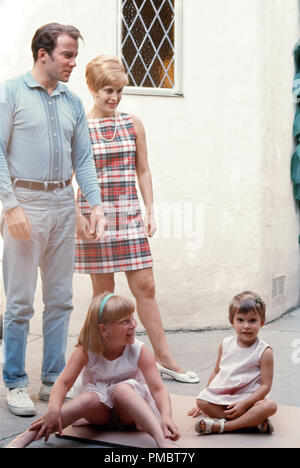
(126, 246)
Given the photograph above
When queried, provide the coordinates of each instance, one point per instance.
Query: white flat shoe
(188, 377)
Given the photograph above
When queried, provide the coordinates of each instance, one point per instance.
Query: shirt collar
(32, 83)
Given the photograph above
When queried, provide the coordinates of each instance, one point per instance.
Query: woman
(120, 154)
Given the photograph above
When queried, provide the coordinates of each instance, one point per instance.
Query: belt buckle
(54, 184)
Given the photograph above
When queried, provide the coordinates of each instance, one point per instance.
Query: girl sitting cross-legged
(237, 393)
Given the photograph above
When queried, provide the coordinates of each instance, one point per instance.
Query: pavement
(195, 351)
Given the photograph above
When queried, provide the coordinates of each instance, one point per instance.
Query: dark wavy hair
(245, 302)
(46, 37)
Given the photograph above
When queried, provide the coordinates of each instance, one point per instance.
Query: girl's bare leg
(211, 410)
(86, 406)
(254, 416)
(132, 408)
(141, 283)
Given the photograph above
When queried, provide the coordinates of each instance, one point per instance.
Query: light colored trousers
(51, 248)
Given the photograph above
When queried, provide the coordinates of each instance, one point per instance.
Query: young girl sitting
(237, 393)
(121, 384)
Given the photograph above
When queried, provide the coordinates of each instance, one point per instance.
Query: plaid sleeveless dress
(126, 245)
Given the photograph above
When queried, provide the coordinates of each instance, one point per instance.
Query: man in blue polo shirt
(45, 140)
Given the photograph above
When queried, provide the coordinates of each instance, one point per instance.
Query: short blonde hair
(116, 308)
(245, 302)
(105, 70)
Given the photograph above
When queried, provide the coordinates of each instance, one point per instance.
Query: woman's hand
(150, 224)
(169, 428)
(47, 425)
(98, 223)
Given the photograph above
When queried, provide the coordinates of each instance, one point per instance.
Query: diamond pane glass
(148, 46)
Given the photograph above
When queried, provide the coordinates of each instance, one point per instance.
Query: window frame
(177, 90)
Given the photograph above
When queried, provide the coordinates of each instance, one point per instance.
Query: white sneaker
(45, 392)
(20, 403)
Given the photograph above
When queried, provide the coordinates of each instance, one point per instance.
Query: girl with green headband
(120, 385)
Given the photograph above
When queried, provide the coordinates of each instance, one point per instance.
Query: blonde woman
(120, 154)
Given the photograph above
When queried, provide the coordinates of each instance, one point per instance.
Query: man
(45, 137)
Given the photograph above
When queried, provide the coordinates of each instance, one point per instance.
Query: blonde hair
(245, 302)
(116, 308)
(105, 70)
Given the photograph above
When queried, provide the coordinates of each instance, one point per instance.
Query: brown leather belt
(47, 186)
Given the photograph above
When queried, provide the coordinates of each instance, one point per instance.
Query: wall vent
(278, 286)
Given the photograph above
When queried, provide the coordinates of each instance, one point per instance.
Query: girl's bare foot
(167, 443)
(22, 440)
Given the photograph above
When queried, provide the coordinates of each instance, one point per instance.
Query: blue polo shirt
(43, 138)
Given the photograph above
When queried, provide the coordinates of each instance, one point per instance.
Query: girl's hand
(195, 412)
(169, 428)
(150, 225)
(235, 410)
(83, 228)
(47, 425)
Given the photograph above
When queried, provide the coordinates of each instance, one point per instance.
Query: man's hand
(98, 223)
(18, 224)
(83, 228)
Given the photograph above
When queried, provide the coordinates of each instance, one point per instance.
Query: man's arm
(15, 218)
(7, 195)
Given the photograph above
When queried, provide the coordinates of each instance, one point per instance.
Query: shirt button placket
(55, 142)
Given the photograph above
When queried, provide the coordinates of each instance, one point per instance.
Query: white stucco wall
(220, 155)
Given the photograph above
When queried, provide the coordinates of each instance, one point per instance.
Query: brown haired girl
(236, 396)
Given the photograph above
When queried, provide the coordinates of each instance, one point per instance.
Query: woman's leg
(132, 408)
(86, 406)
(141, 283)
(102, 282)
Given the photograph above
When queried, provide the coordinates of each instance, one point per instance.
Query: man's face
(60, 64)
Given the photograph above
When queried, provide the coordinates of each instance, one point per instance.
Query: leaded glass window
(150, 46)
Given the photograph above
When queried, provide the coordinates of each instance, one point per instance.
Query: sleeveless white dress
(239, 374)
(101, 376)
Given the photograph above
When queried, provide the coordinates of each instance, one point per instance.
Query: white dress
(100, 376)
(239, 374)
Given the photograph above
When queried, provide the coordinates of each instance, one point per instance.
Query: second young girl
(236, 396)
(121, 386)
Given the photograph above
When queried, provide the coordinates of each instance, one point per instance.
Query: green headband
(102, 305)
